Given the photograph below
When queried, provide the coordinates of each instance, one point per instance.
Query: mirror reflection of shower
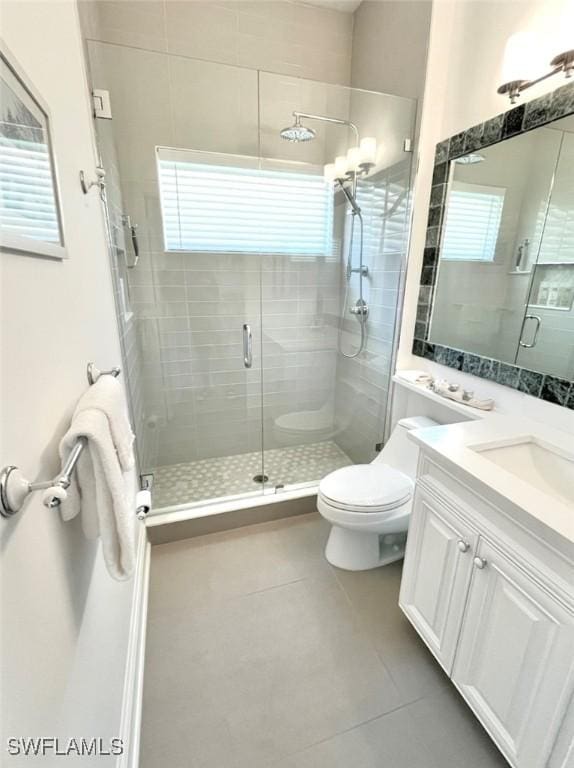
(344, 173)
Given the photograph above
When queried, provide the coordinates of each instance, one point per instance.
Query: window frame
(20, 244)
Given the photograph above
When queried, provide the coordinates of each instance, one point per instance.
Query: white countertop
(453, 443)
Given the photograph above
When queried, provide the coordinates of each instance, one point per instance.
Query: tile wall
(275, 36)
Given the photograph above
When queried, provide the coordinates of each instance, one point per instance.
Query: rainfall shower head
(298, 132)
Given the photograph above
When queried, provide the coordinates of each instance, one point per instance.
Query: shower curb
(227, 516)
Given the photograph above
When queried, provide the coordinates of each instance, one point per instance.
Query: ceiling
(348, 6)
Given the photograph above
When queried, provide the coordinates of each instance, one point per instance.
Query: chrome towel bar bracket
(94, 373)
(15, 488)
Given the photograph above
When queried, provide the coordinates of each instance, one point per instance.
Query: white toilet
(369, 505)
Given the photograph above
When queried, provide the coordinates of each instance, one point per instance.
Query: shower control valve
(361, 309)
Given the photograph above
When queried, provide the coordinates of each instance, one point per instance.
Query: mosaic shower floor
(233, 475)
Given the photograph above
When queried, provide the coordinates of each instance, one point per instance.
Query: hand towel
(106, 395)
(98, 487)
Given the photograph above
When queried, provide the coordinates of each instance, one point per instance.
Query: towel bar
(15, 489)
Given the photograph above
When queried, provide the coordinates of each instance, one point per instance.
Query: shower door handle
(247, 346)
(535, 337)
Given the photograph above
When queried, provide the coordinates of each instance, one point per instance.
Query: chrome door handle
(247, 346)
(463, 545)
(538, 321)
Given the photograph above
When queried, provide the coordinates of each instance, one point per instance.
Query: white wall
(64, 622)
(390, 39)
(464, 69)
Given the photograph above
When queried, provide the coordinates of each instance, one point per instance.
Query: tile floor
(261, 655)
(232, 475)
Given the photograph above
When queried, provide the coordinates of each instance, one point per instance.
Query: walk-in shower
(258, 322)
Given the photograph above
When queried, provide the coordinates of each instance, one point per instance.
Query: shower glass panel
(236, 324)
(549, 319)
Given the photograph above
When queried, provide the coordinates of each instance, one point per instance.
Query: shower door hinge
(146, 482)
(101, 104)
(408, 145)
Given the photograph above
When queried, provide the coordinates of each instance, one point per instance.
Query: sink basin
(540, 464)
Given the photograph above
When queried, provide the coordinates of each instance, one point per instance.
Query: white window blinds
(27, 203)
(232, 206)
(473, 217)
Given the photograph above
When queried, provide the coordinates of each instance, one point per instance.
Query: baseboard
(134, 675)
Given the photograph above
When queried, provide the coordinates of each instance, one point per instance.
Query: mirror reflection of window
(29, 213)
(473, 217)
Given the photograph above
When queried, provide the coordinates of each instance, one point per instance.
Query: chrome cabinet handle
(479, 562)
(247, 346)
(538, 321)
(463, 545)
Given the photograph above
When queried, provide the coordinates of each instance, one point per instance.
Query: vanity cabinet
(495, 625)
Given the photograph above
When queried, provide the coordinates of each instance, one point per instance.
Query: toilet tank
(401, 453)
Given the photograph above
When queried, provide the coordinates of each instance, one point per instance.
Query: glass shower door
(325, 383)
(545, 344)
(189, 308)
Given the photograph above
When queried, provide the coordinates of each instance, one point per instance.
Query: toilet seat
(366, 488)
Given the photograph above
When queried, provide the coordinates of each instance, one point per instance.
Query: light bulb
(340, 167)
(329, 172)
(368, 150)
(353, 159)
(519, 63)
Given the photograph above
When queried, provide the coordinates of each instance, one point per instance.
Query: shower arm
(334, 120)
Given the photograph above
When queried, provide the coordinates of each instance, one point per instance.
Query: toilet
(368, 505)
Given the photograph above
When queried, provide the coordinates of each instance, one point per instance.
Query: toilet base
(357, 551)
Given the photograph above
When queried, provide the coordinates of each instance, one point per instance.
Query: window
(29, 212)
(472, 224)
(226, 203)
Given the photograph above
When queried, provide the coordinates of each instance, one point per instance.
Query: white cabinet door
(436, 574)
(515, 659)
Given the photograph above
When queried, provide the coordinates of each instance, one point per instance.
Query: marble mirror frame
(552, 106)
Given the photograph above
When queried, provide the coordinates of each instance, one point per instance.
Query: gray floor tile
(374, 596)
(452, 735)
(201, 572)
(388, 741)
(285, 667)
(259, 654)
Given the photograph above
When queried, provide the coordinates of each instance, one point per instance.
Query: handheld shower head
(298, 132)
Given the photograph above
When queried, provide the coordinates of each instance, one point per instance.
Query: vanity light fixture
(518, 62)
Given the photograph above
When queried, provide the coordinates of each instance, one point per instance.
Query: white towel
(98, 486)
(107, 396)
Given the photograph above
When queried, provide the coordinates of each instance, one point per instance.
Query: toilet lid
(367, 485)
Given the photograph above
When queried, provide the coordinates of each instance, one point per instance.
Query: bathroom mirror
(497, 285)
(30, 214)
